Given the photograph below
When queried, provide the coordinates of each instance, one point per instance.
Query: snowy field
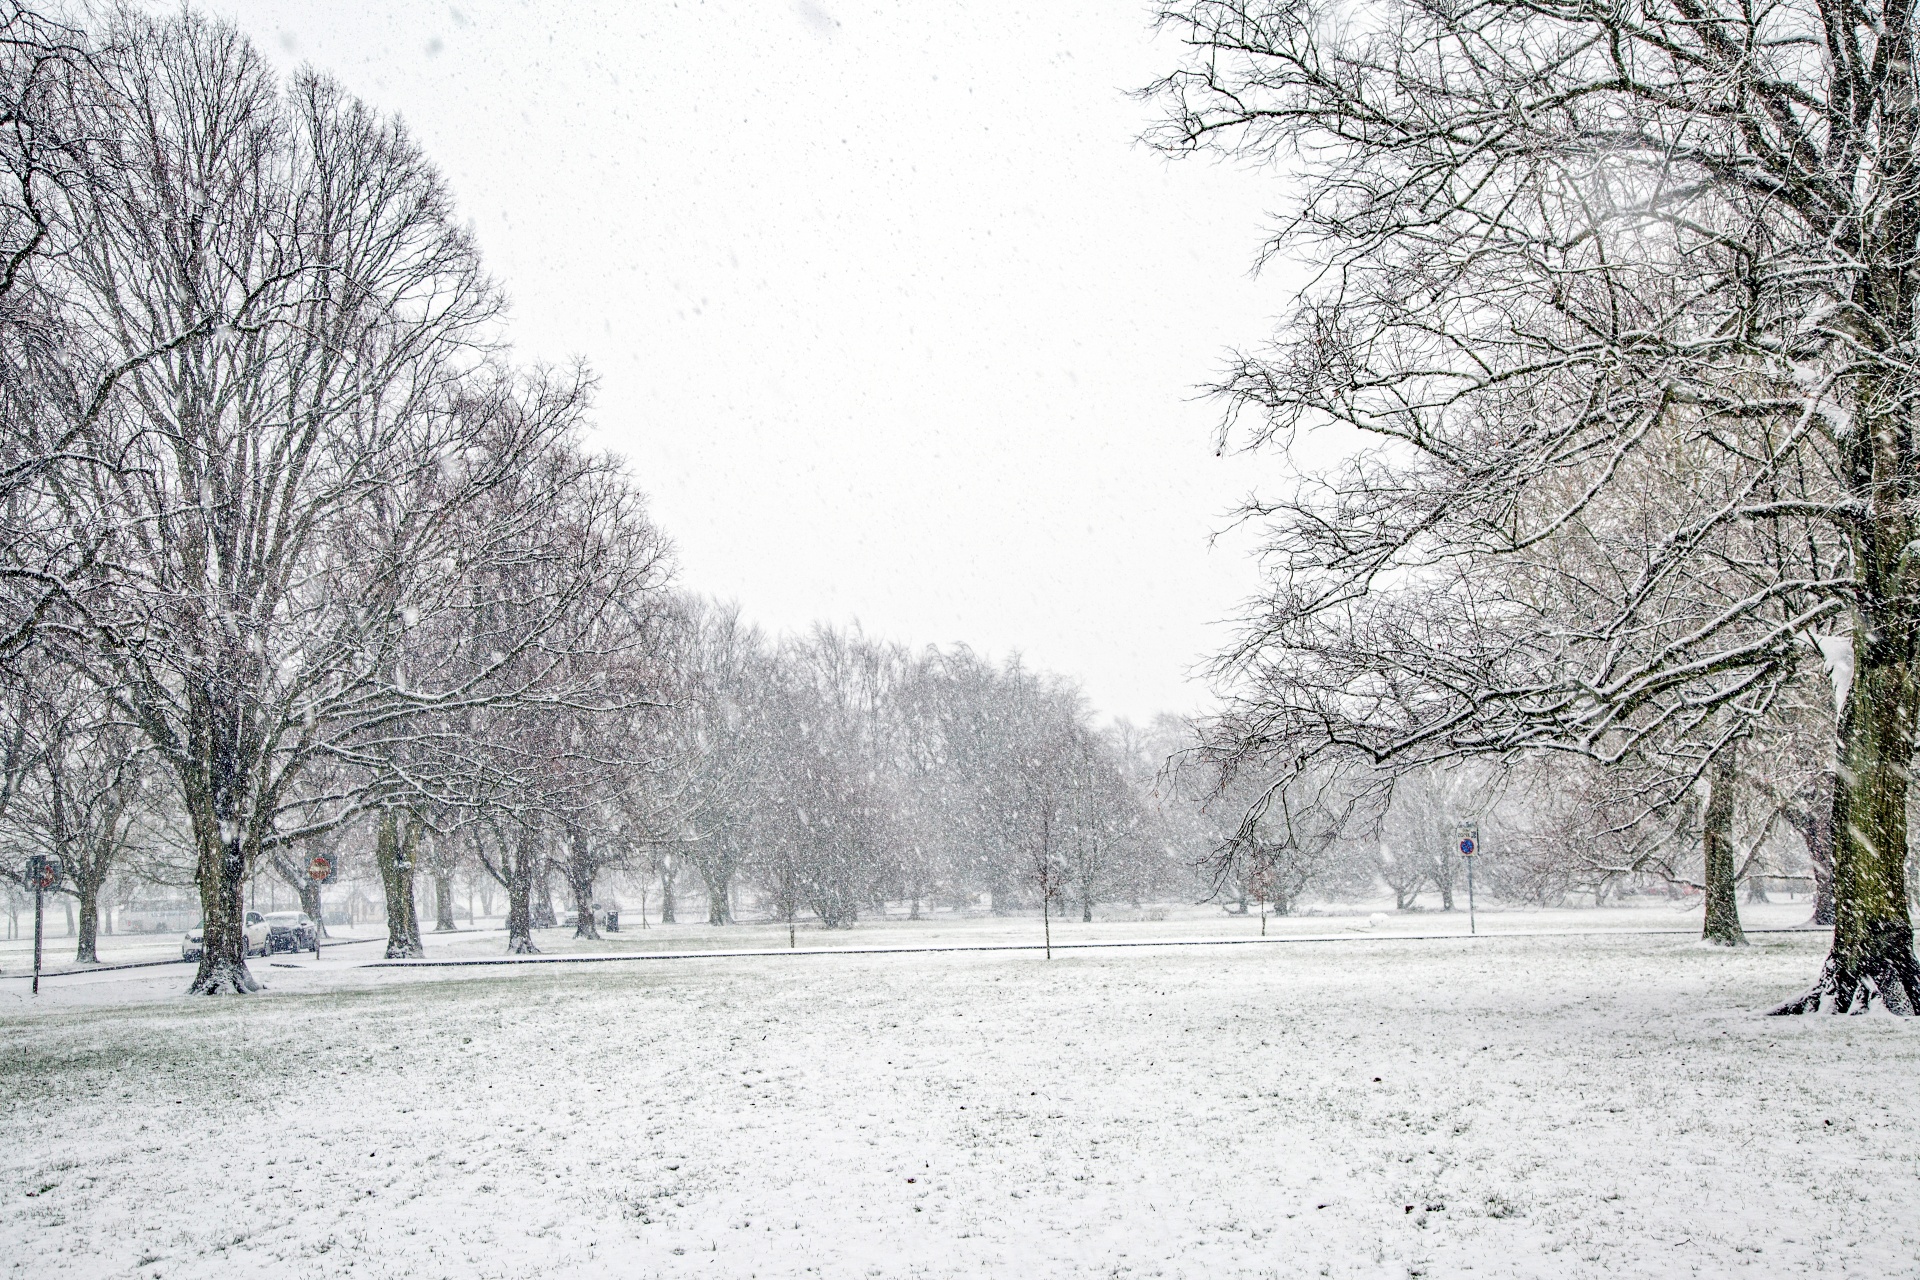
(1175, 921)
(1379, 1104)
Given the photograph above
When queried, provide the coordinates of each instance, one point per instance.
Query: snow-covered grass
(1118, 922)
(1371, 1106)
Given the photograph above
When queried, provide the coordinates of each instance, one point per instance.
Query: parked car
(605, 918)
(259, 935)
(289, 931)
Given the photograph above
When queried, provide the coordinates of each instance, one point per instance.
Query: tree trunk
(443, 921)
(580, 869)
(542, 895)
(1722, 925)
(718, 911)
(666, 894)
(393, 853)
(1445, 880)
(87, 952)
(520, 868)
(1820, 848)
(220, 870)
(1872, 955)
(311, 906)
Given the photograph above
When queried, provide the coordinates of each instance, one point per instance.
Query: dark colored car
(290, 931)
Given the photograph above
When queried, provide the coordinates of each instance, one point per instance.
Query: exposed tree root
(1892, 980)
(519, 946)
(404, 949)
(222, 977)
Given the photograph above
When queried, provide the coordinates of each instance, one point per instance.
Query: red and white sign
(320, 868)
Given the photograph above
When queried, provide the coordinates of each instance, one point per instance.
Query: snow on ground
(486, 937)
(1376, 1105)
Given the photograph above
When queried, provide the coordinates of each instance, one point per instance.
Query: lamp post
(43, 873)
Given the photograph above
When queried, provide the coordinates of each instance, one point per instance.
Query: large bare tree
(1571, 256)
(290, 477)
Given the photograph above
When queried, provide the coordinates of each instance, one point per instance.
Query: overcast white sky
(894, 319)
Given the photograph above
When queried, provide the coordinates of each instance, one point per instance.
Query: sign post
(1468, 845)
(319, 870)
(43, 873)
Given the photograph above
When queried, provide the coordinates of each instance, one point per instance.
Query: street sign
(43, 872)
(1468, 843)
(320, 868)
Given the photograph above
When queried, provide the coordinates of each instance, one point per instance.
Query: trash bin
(613, 922)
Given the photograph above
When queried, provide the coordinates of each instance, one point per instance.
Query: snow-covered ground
(1120, 923)
(1601, 1103)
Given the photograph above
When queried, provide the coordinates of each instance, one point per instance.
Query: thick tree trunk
(542, 899)
(520, 871)
(393, 852)
(1820, 848)
(311, 906)
(443, 921)
(580, 869)
(1872, 956)
(718, 909)
(666, 894)
(1722, 925)
(86, 887)
(221, 872)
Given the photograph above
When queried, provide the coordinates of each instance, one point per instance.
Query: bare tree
(289, 480)
(1567, 247)
(83, 788)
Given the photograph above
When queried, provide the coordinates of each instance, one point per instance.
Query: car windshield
(285, 917)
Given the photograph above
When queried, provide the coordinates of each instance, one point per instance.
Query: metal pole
(39, 904)
(1472, 927)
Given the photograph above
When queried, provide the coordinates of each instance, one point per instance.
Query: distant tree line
(296, 559)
